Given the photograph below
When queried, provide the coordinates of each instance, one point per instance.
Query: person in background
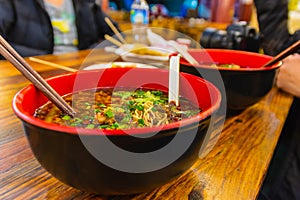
(283, 177)
(289, 77)
(37, 27)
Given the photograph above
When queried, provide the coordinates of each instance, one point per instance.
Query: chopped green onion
(124, 126)
(77, 120)
(90, 126)
(109, 113)
(139, 93)
(102, 105)
(124, 94)
(141, 122)
(115, 125)
(156, 102)
(131, 107)
(154, 108)
(104, 126)
(86, 117)
(157, 92)
(140, 107)
(66, 117)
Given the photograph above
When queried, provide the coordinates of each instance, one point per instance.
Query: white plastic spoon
(174, 79)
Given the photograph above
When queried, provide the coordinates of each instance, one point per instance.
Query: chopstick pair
(113, 40)
(115, 30)
(11, 55)
(118, 34)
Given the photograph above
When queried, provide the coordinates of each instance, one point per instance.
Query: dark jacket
(272, 16)
(27, 26)
(283, 178)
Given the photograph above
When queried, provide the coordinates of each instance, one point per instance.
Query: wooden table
(234, 169)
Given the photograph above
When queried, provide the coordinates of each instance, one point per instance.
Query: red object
(249, 61)
(158, 10)
(243, 86)
(222, 11)
(81, 158)
(29, 99)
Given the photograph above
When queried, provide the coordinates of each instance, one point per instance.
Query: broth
(122, 109)
(229, 66)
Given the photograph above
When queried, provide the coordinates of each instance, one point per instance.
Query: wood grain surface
(233, 169)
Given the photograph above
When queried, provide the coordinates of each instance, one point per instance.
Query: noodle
(118, 109)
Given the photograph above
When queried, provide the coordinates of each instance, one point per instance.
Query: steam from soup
(122, 109)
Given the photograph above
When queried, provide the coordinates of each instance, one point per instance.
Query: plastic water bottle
(139, 17)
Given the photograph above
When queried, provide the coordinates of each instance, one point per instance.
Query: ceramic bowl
(241, 87)
(118, 162)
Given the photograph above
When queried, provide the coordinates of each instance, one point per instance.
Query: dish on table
(118, 64)
(243, 81)
(122, 161)
(143, 54)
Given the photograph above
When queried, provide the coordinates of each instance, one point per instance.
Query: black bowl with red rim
(118, 162)
(241, 87)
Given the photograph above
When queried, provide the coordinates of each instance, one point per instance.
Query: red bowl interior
(197, 90)
(249, 61)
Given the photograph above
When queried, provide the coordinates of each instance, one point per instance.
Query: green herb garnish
(66, 117)
(109, 113)
(141, 122)
(91, 126)
(140, 107)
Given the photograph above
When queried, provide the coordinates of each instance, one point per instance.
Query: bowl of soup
(126, 137)
(238, 74)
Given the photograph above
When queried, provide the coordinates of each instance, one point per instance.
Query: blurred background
(228, 20)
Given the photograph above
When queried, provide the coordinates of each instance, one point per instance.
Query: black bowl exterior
(63, 151)
(242, 88)
(66, 158)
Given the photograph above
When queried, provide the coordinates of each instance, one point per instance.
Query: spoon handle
(174, 79)
(288, 51)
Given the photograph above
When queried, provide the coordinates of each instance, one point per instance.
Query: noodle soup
(122, 109)
(71, 154)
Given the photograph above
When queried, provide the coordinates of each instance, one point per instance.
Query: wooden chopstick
(115, 30)
(11, 55)
(113, 40)
(288, 51)
(37, 60)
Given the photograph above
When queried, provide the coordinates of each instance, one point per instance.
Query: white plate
(128, 56)
(118, 64)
